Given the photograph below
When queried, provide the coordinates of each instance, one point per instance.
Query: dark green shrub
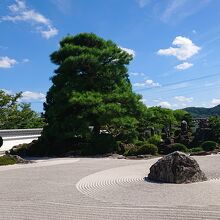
(33, 149)
(148, 148)
(178, 147)
(209, 145)
(156, 140)
(139, 143)
(101, 144)
(141, 147)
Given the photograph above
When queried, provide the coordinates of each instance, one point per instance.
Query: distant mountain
(198, 112)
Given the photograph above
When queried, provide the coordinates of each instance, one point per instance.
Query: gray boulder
(176, 167)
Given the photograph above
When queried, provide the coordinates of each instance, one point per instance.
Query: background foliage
(14, 114)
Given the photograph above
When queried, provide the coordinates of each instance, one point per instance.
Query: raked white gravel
(86, 188)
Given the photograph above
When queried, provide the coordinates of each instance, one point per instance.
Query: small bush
(209, 145)
(6, 160)
(142, 147)
(156, 140)
(148, 148)
(179, 147)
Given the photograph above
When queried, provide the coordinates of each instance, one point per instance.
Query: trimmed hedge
(209, 145)
(179, 147)
(147, 148)
(141, 148)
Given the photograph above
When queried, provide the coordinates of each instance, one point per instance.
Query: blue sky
(175, 45)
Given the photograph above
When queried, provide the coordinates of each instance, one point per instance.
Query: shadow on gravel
(146, 179)
(39, 158)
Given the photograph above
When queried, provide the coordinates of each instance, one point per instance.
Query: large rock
(176, 167)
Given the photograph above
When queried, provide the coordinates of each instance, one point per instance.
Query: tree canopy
(14, 114)
(214, 122)
(91, 92)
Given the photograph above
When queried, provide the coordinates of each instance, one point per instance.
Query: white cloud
(216, 101)
(143, 3)
(6, 62)
(184, 66)
(63, 6)
(194, 31)
(149, 83)
(137, 74)
(25, 60)
(176, 10)
(129, 51)
(17, 7)
(20, 12)
(157, 100)
(178, 86)
(49, 33)
(172, 7)
(165, 104)
(184, 49)
(28, 96)
(139, 84)
(183, 99)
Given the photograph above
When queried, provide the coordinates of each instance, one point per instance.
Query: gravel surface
(86, 188)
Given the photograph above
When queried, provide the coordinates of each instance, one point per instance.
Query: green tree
(14, 114)
(91, 92)
(181, 115)
(214, 123)
(160, 117)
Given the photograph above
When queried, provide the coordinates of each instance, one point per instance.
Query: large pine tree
(91, 92)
